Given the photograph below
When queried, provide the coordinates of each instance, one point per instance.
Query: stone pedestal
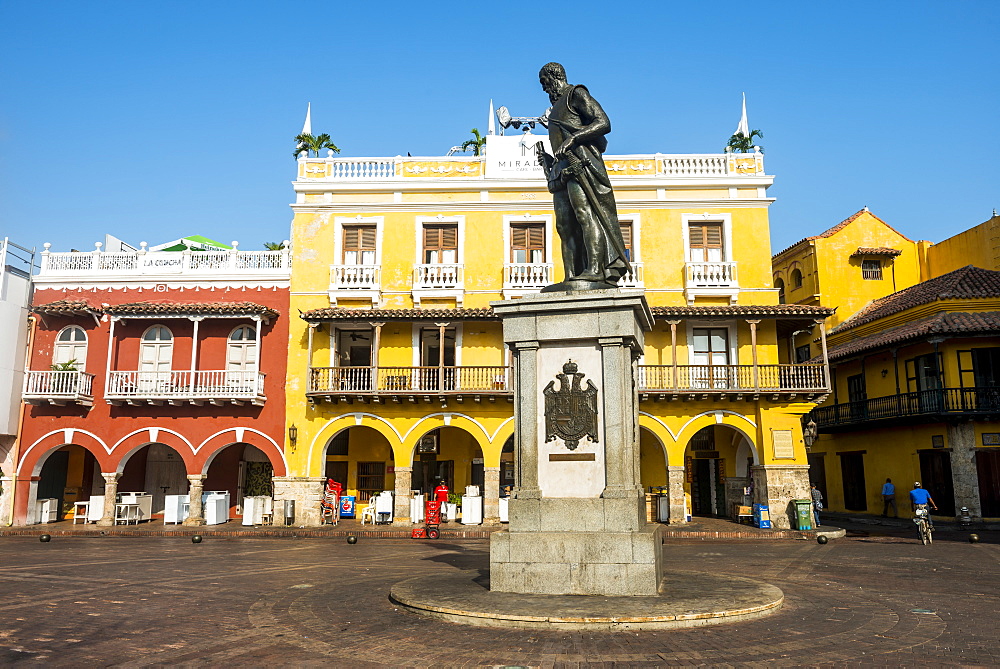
(196, 510)
(577, 515)
(964, 473)
(110, 498)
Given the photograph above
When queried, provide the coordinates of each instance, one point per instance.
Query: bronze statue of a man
(594, 254)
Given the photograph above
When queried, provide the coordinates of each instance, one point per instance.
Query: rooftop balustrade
(142, 262)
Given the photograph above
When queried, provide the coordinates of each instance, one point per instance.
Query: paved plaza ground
(875, 598)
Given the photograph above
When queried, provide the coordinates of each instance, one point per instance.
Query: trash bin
(803, 513)
(289, 512)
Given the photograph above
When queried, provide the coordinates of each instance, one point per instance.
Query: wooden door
(852, 469)
(935, 477)
(988, 467)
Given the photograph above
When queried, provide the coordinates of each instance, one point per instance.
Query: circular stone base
(687, 599)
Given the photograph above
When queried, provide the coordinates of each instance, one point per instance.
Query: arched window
(157, 349)
(796, 278)
(780, 285)
(71, 349)
(241, 355)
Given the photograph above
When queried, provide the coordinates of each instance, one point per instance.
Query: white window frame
(340, 222)
(635, 220)
(730, 326)
(415, 341)
(418, 234)
(252, 343)
(81, 365)
(510, 219)
(727, 232)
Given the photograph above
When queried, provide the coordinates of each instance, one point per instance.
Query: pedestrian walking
(817, 498)
(889, 499)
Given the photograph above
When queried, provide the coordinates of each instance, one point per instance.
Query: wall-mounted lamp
(293, 434)
(809, 433)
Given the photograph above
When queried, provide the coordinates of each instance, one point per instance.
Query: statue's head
(552, 77)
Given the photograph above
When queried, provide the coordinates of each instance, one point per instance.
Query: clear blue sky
(155, 120)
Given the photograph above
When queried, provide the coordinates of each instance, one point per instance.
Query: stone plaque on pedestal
(577, 510)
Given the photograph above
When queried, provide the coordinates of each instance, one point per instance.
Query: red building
(153, 372)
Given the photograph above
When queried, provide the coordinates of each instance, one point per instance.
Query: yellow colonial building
(914, 360)
(398, 376)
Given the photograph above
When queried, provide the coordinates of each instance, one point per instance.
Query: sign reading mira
(513, 156)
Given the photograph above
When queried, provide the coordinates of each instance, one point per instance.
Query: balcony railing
(526, 276)
(143, 262)
(711, 275)
(437, 276)
(634, 278)
(923, 403)
(409, 380)
(691, 165)
(802, 378)
(215, 386)
(355, 277)
(60, 388)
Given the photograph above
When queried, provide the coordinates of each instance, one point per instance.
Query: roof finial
(865, 208)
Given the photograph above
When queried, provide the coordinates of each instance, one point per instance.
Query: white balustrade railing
(526, 275)
(184, 384)
(162, 262)
(375, 169)
(695, 165)
(768, 378)
(634, 278)
(58, 384)
(711, 275)
(355, 277)
(349, 380)
(437, 275)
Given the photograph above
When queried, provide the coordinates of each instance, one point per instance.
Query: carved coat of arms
(570, 411)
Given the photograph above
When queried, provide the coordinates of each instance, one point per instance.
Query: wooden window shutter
(449, 236)
(519, 237)
(706, 235)
(536, 236)
(367, 234)
(350, 238)
(626, 228)
(432, 237)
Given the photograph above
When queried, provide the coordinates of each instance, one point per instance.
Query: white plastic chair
(369, 511)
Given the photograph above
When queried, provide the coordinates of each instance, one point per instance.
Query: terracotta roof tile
(341, 313)
(957, 322)
(190, 308)
(66, 308)
(877, 251)
(763, 311)
(968, 282)
(840, 226)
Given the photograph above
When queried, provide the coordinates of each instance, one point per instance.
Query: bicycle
(925, 528)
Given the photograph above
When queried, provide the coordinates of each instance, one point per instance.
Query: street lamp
(293, 434)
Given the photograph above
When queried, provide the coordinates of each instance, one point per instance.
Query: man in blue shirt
(920, 496)
(889, 499)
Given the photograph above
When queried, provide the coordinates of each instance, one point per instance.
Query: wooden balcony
(58, 388)
(668, 382)
(411, 384)
(176, 387)
(915, 407)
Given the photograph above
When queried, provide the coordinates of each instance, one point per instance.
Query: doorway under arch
(360, 458)
(156, 469)
(717, 470)
(242, 469)
(69, 474)
(451, 455)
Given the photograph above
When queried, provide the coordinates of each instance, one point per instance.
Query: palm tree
(476, 143)
(274, 246)
(740, 143)
(313, 143)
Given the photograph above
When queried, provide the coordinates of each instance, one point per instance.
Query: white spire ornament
(307, 127)
(491, 128)
(743, 128)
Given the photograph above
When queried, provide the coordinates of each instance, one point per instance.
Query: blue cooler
(347, 506)
(761, 516)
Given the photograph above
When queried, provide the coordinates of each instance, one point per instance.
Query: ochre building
(397, 373)
(914, 360)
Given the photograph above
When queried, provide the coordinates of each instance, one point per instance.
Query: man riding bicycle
(919, 497)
